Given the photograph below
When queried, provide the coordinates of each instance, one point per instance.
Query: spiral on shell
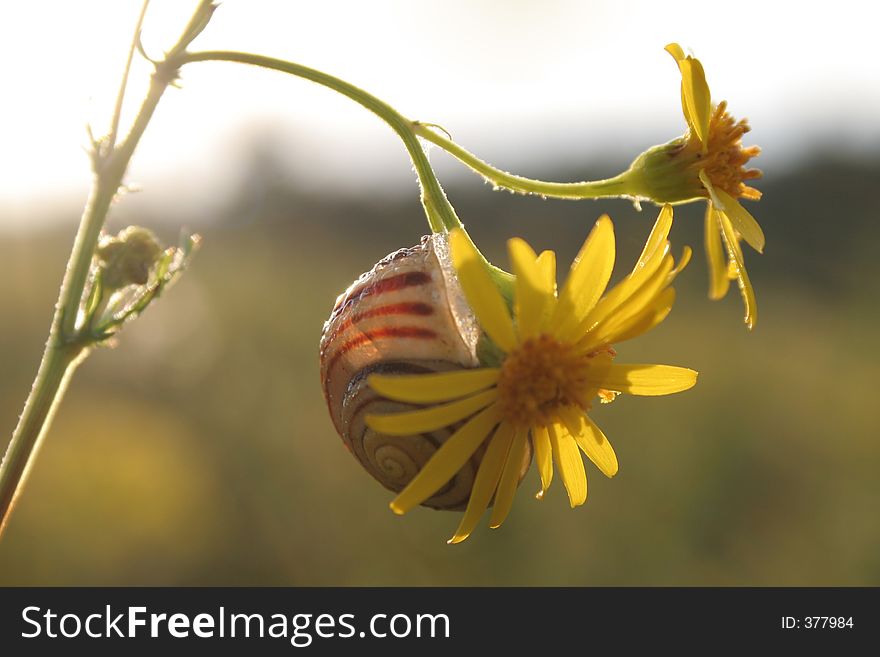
(407, 315)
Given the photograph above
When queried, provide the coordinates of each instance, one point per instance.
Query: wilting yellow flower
(714, 144)
(556, 359)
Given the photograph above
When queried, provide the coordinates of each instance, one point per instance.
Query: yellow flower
(556, 358)
(714, 149)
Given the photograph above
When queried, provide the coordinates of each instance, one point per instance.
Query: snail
(407, 315)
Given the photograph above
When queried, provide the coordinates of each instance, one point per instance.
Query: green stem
(65, 347)
(56, 368)
(621, 185)
(109, 173)
(120, 97)
(441, 215)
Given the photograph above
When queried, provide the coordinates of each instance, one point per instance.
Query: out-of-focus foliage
(199, 451)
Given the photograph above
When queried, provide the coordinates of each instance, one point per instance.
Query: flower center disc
(726, 159)
(542, 375)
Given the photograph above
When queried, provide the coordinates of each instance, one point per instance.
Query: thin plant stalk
(620, 185)
(440, 213)
(66, 347)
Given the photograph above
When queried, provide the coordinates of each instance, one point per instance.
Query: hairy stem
(65, 347)
(620, 185)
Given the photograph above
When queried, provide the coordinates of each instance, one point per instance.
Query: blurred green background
(199, 451)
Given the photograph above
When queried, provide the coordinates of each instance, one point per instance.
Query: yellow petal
(707, 183)
(648, 380)
(651, 259)
(655, 313)
(647, 288)
(531, 285)
(675, 50)
(683, 261)
(656, 243)
(696, 102)
(480, 290)
(447, 460)
(718, 280)
(547, 263)
(486, 481)
(409, 423)
(679, 56)
(543, 457)
(591, 440)
(571, 466)
(432, 387)
(742, 222)
(699, 99)
(586, 281)
(509, 479)
(734, 253)
(628, 308)
(688, 113)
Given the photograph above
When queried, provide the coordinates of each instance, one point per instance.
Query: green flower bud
(668, 173)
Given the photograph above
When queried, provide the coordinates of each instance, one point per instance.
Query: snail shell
(407, 315)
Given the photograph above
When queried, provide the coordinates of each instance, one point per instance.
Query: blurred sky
(524, 84)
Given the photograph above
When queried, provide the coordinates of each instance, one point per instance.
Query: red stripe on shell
(407, 308)
(385, 285)
(411, 332)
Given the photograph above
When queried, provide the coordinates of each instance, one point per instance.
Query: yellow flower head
(556, 359)
(708, 162)
(721, 170)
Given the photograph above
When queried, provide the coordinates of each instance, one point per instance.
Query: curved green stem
(441, 215)
(621, 185)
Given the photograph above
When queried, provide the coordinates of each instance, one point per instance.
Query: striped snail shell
(407, 315)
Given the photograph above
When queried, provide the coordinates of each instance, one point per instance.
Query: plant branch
(441, 215)
(123, 85)
(617, 186)
(66, 347)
